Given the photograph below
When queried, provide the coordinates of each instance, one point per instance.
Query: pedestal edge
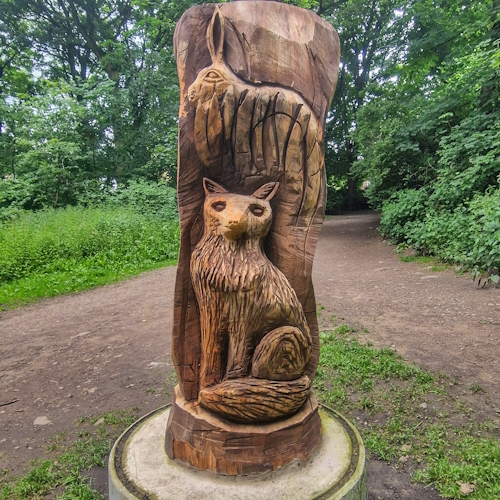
(352, 487)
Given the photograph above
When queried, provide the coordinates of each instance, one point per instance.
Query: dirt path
(109, 348)
(440, 320)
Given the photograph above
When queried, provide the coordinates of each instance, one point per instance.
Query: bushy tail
(253, 400)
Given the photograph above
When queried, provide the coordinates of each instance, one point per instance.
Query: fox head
(236, 216)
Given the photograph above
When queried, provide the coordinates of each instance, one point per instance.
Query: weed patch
(429, 262)
(408, 417)
(62, 475)
(52, 252)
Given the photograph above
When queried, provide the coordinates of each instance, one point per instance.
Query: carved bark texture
(204, 441)
(251, 319)
(256, 84)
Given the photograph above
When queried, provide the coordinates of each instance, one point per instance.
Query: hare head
(216, 78)
(237, 216)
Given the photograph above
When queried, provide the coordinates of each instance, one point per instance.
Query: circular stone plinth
(139, 468)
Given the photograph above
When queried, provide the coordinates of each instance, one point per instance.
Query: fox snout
(236, 229)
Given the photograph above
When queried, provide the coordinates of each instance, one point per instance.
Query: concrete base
(140, 469)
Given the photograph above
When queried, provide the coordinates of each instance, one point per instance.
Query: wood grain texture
(253, 400)
(254, 97)
(200, 439)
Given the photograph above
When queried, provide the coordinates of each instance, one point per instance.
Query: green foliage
(102, 108)
(347, 364)
(64, 474)
(58, 251)
(469, 234)
(367, 31)
(472, 460)
(343, 195)
(430, 144)
(148, 198)
(401, 210)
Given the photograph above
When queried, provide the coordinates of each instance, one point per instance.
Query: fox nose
(236, 229)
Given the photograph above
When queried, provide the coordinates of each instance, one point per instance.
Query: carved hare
(255, 130)
(255, 339)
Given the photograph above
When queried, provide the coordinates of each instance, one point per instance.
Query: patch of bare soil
(79, 355)
(109, 348)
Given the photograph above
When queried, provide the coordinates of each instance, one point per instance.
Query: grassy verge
(428, 262)
(63, 475)
(59, 251)
(408, 417)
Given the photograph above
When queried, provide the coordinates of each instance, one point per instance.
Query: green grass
(431, 262)
(406, 414)
(63, 475)
(59, 251)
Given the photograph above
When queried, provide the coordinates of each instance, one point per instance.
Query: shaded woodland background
(88, 118)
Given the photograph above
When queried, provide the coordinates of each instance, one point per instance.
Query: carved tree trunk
(256, 80)
(287, 60)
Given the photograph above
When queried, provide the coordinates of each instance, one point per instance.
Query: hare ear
(215, 36)
(267, 191)
(212, 187)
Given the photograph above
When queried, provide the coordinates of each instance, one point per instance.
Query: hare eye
(219, 206)
(212, 75)
(256, 210)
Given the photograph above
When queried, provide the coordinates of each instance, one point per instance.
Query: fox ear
(215, 36)
(212, 187)
(267, 191)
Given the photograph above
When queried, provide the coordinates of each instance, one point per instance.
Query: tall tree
(368, 31)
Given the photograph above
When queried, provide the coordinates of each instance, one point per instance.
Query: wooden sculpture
(251, 190)
(255, 341)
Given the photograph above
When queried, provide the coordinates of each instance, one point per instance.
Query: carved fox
(255, 129)
(255, 340)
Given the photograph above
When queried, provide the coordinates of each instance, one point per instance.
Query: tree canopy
(89, 99)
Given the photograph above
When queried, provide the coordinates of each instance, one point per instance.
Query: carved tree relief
(255, 340)
(256, 79)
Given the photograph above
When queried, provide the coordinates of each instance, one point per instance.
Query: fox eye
(256, 210)
(219, 206)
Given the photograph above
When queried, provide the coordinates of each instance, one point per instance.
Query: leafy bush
(441, 155)
(469, 234)
(400, 211)
(485, 230)
(56, 251)
(145, 197)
